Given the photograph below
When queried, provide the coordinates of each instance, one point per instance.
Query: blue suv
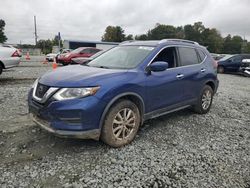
(111, 96)
(232, 63)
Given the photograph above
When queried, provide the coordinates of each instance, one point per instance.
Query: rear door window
(188, 56)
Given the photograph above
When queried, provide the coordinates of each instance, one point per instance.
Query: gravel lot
(182, 149)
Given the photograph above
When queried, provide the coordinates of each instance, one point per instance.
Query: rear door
(193, 72)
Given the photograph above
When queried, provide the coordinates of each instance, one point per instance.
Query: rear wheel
(220, 69)
(205, 100)
(121, 124)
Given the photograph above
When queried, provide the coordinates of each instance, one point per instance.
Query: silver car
(9, 57)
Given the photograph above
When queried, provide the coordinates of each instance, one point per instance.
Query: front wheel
(205, 100)
(121, 124)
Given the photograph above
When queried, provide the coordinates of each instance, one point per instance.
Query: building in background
(73, 44)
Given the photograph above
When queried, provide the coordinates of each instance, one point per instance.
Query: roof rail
(178, 40)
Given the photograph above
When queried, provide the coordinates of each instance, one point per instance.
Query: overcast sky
(87, 19)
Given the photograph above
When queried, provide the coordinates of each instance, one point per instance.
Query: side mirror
(158, 66)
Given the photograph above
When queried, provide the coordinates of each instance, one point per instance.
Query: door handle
(203, 70)
(180, 76)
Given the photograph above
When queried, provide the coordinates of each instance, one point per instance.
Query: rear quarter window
(188, 56)
(202, 55)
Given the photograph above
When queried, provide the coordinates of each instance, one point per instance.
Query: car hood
(78, 76)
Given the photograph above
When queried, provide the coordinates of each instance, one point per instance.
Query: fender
(115, 99)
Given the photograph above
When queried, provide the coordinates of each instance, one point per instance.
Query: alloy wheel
(206, 99)
(124, 123)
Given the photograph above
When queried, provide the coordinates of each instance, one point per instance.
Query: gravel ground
(182, 149)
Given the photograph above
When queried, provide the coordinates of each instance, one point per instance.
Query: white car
(10, 46)
(50, 57)
(9, 57)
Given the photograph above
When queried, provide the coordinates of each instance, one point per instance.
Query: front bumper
(91, 134)
(64, 61)
(79, 118)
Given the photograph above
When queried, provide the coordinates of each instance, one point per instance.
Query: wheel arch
(211, 84)
(134, 97)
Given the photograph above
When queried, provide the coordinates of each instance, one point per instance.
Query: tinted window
(201, 54)
(188, 56)
(236, 59)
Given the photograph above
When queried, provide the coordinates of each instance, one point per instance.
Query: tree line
(209, 37)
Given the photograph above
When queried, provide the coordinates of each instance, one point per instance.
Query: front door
(164, 88)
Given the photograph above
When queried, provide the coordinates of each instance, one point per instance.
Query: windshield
(122, 57)
(97, 54)
(226, 57)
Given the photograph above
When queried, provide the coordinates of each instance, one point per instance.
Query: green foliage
(3, 38)
(113, 34)
(212, 39)
(45, 45)
(129, 37)
(141, 37)
(162, 32)
(208, 37)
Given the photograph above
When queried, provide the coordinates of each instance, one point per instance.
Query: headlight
(73, 93)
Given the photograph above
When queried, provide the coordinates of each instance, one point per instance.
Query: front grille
(41, 90)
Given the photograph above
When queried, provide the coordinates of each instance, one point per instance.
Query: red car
(65, 59)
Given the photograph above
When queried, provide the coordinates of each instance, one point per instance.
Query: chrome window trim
(178, 66)
(48, 93)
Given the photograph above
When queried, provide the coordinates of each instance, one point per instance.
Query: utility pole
(35, 30)
(59, 41)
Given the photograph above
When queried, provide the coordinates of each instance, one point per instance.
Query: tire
(205, 100)
(1, 69)
(220, 69)
(64, 64)
(116, 131)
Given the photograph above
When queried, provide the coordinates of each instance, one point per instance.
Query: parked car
(9, 57)
(217, 57)
(231, 63)
(62, 51)
(245, 67)
(51, 56)
(10, 46)
(82, 60)
(111, 96)
(66, 59)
